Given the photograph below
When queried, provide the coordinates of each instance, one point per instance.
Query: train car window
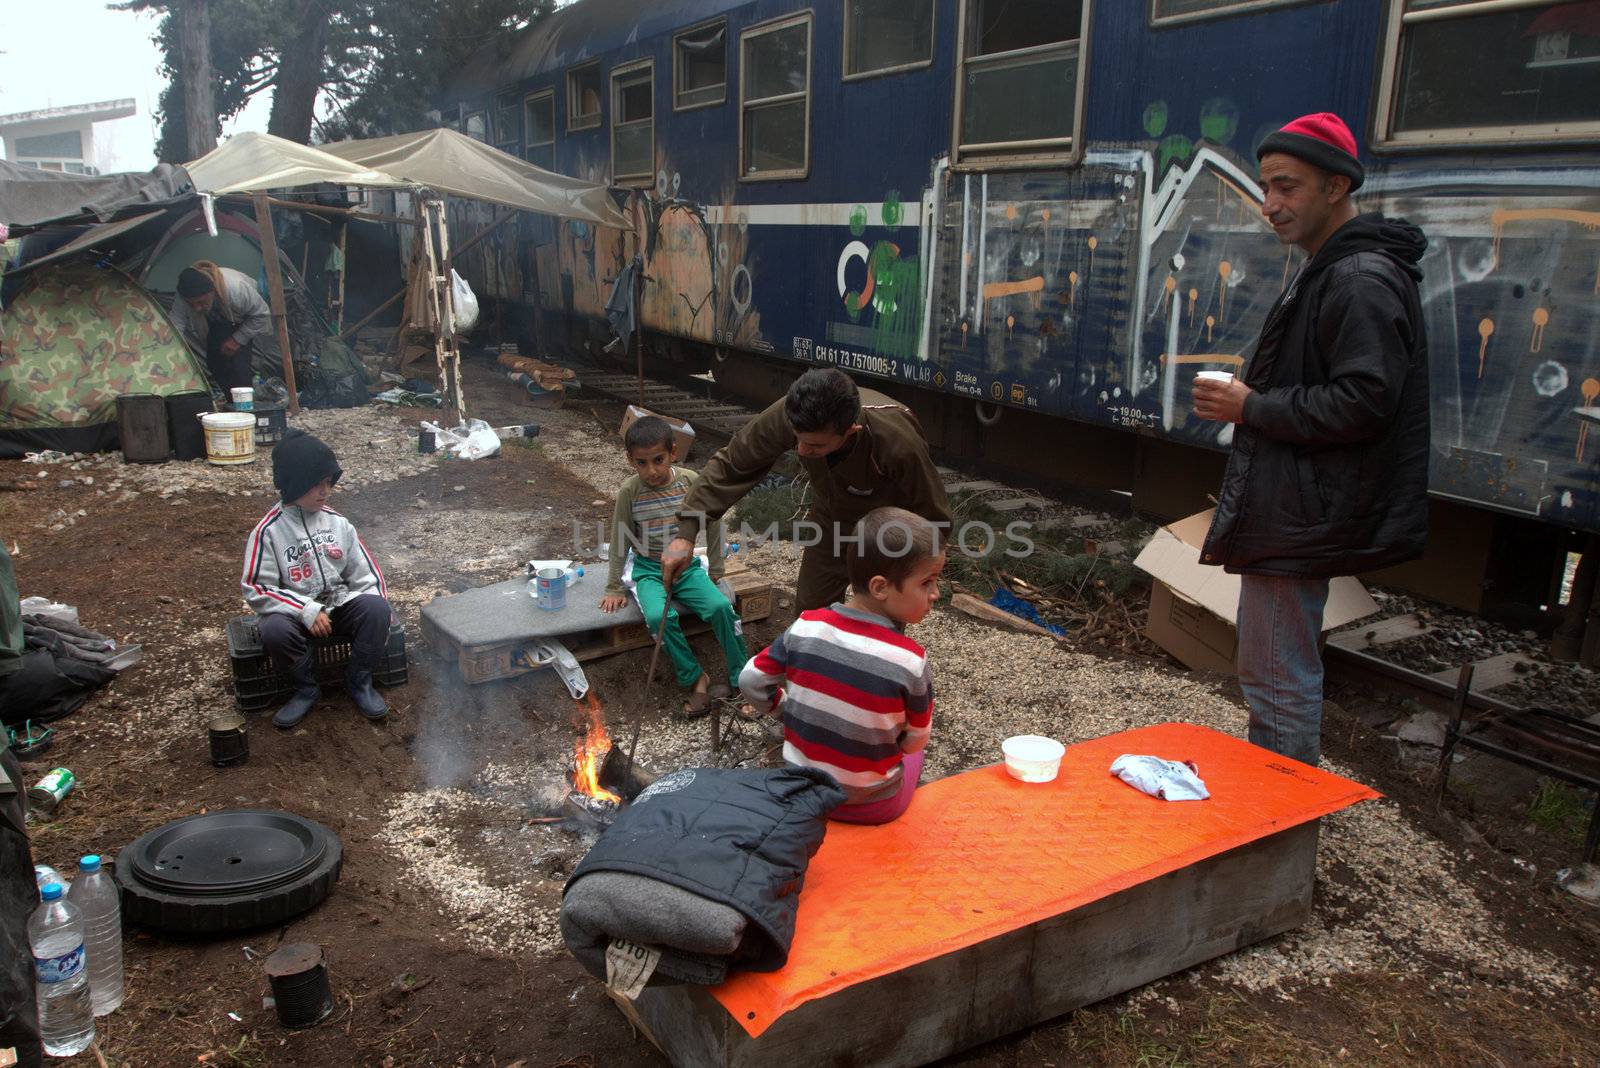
(1018, 50)
(477, 126)
(1163, 12)
(882, 36)
(539, 129)
(700, 66)
(1533, 74)
(506, 130)
(633, 122)
(775, 99)
(583, 97)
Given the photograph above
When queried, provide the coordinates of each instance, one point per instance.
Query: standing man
(1329, 469)
(861, 451)
(218, 311)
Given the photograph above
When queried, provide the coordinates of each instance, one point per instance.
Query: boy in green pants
(645, 520)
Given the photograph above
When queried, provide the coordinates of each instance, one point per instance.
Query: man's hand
(1221, 401)
(229, 347)
(322, 626)
(679, 552)
(612, 601)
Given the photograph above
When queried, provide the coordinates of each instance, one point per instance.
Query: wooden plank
(1383, 632)
(1005, 984)
(280, 316)
(1491, 673)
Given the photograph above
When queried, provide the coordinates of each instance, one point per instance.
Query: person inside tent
(219, 312)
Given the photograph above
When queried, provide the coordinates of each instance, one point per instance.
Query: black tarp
(30, 197)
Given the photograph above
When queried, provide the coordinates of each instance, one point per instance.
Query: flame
(590, 753)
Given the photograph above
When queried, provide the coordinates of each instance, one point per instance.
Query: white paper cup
(244, 398)
(1214, 376)
(1032, 757)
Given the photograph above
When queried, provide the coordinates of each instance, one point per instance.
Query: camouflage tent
(71, 341)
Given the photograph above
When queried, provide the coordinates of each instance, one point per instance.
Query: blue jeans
(1280, 666)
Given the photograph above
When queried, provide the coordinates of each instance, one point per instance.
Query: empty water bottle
(55, 933)
(44, 875)
(95, 896)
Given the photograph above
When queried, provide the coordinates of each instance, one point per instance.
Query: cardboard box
(1194, 607)
(682, 433)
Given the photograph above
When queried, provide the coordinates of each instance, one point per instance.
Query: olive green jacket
(887, 465)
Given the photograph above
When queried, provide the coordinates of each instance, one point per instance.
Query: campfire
(602, 778)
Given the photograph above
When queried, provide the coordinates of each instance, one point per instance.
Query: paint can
(244, 398)
(550, 588)
(300, 990)
(230, 437)
(426, 442)
(230, 743)
(47, 795)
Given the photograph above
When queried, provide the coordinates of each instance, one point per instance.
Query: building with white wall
(59, 139)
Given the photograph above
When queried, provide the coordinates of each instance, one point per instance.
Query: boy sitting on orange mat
(856, 694)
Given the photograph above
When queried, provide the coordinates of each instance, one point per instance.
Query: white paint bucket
(230, 437)
(244, 398)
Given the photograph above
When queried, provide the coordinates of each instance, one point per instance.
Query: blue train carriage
(1050, 205)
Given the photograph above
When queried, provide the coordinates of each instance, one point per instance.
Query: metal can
(426, 441)
(47, 795)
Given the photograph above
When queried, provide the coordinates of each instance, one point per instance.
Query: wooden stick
(644, 691)
(269, 253)
(343, 270)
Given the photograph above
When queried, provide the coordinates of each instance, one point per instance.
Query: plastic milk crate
(257, 684)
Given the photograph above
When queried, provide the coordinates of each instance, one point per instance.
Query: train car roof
(576, 33)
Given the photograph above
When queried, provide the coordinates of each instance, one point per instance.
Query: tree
(199, 101)
(372, 65)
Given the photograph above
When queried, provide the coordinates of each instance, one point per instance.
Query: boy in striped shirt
(856, 694)
(645, 520)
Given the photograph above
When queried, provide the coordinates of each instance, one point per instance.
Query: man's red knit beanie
(1322, 140)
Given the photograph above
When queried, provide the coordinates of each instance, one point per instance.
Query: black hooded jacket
(1329, 469)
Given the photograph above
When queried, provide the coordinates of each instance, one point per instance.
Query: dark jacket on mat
(740, 839)
(1328, 474)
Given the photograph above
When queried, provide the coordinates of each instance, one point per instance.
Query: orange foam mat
(980, 854)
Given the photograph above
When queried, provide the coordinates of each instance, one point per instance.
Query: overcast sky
(54, 53)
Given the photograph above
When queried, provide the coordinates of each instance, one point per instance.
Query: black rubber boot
(358, 682)
(306, 692)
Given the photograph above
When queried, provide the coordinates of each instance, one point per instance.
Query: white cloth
(1166, 779)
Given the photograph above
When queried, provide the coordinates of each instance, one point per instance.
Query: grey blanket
(697, 937)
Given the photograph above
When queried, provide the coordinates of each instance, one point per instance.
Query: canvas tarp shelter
(453, 163)
(74, 339)
(441, 160)
(257, 162)
(30, 197)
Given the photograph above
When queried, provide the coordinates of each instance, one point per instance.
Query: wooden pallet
(753, 600)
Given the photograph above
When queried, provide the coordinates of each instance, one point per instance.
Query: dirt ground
(1438, 936)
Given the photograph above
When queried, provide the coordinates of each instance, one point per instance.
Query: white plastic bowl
(1032, 758)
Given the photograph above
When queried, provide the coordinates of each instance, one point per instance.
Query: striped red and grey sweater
(857, 695)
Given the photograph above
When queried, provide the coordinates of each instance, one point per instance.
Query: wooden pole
(638, 328)
(269, 252)
(344, 233)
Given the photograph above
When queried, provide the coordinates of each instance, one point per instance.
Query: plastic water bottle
(574, 573)
(44, 875)
(94, 894)
(66, 1018)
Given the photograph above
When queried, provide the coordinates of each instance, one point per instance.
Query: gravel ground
(372, 445)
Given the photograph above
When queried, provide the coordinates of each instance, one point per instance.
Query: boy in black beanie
(306, 572)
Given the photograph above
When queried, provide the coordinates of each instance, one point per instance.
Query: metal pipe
(1482, 7)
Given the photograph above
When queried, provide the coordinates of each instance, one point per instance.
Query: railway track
(1350, 658)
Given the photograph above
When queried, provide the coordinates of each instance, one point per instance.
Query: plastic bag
(473, 441)
(1166, 779)
(464, 303)
(47, 611)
